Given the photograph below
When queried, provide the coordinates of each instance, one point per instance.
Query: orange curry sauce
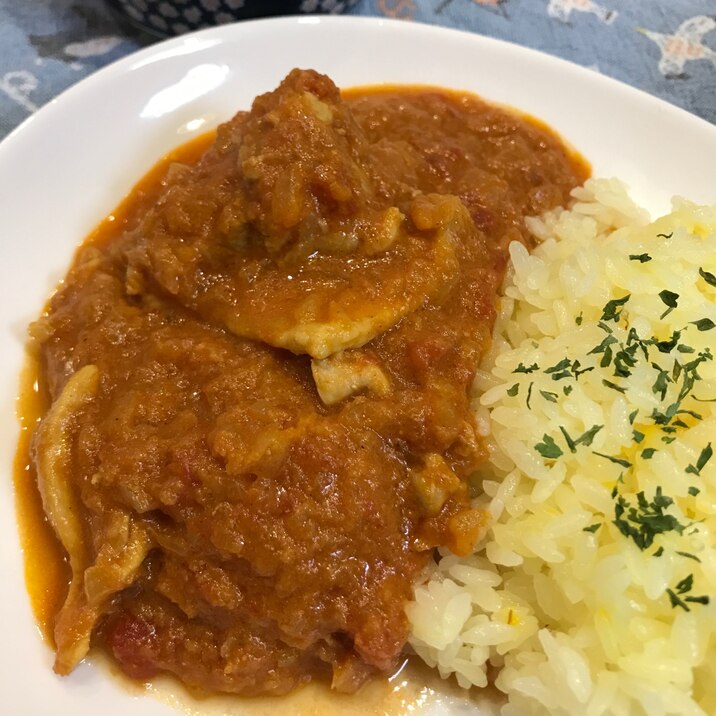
(439, 168)
(47, 572)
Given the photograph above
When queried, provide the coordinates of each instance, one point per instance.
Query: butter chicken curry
(258, 428)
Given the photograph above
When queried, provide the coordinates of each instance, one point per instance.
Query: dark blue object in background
(174, 17)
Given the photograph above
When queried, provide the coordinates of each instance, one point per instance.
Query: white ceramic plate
(71, 163)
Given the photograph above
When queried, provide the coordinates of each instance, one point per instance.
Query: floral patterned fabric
(665, 47)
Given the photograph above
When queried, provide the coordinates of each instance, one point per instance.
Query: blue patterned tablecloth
(666, 47)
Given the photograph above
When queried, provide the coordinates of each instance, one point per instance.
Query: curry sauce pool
(259, 425)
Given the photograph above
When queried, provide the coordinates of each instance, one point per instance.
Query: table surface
(665, 47)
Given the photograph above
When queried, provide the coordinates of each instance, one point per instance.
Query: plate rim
(42, 121)
(139, 57)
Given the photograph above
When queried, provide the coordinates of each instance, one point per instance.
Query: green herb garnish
(688, 555)
(548, 448)
(670, 299)
(661, 383)
(570, 443)
(560, 370)
(612, 310)
(613, 386)
(643, 522)
(704, 457)
(698, 600)
(615, 460)
(522, 369)
(708, 277)
(624, 361)
(587, 437)
(676, 601)
(704, 324)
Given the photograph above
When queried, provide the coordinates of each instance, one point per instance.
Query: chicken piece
(434, 483)
(346, 373)
(333, 305)
(279, 234)
(95, 579)
(304, 179)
